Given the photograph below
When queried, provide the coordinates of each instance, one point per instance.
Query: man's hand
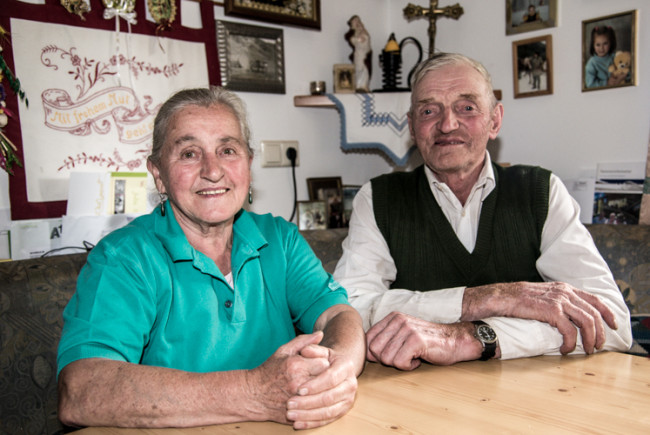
(404, 341)
(280, 378)
(556, 303)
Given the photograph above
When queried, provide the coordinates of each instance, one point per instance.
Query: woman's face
(204, 167)
(601, 45)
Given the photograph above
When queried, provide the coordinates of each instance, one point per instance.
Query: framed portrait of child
(609, 51)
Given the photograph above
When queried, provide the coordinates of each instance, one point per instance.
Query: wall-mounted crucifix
(412, 11)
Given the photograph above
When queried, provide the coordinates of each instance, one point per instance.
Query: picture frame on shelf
(303, 13)
(329, 190)
(251, 58)
(312, 215)
(526, 17)
(344, 78)
(617, 67)
(532, 66)
(349, 192)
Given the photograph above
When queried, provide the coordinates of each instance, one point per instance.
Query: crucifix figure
(411, 12)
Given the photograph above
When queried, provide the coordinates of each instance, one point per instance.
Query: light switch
(271, 154)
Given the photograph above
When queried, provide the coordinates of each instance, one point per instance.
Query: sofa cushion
(32, 296)
(326, 245)
(626, 249)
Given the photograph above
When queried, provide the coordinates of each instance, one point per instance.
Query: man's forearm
(578, 317)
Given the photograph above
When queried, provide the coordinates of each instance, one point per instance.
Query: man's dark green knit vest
(427, 252)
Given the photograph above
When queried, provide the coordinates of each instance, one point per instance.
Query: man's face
(451, 119)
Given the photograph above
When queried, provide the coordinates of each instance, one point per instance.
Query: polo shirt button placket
(228, 304)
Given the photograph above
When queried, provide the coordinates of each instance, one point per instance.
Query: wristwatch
(488, 338)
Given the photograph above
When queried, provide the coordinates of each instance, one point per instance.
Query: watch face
(486, 334)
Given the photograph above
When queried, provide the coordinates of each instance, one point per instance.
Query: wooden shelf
(312, 101)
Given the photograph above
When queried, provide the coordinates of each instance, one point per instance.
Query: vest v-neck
(466, 261)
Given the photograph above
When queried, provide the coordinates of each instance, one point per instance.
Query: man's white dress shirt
(568, 254)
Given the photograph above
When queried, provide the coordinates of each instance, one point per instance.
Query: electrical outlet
(274, 153)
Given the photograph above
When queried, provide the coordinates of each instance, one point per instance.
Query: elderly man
(462, 259)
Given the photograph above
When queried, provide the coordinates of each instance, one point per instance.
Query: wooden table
(604, 393)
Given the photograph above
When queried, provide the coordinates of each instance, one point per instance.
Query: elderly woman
(187, 316)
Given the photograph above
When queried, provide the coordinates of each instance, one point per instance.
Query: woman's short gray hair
(441, 60)
(202, 97)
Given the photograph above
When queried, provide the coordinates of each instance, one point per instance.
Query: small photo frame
(609, 51)
(330, 191)
(349, 192)
(532, 66)
(344, 78)
(251, 58)
(527, 16)
(312, 215)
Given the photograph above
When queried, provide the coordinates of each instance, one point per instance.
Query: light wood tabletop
(604, 393)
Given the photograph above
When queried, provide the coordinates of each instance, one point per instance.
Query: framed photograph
(330, 191)
(312, 215)
(304, 13)
(525, 16)
(349, 192)
(609, 51)
(344, 78)
(251, 58)
(532, 66)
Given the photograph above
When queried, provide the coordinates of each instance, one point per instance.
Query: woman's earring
(250, 194)
(162, 204)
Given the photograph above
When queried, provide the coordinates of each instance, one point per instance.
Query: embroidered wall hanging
(95, 85)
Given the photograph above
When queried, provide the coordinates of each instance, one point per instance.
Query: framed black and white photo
(532, 66)
(304, 13)
(609, 51)
(251, 58)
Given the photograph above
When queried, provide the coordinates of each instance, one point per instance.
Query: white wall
(567, 132)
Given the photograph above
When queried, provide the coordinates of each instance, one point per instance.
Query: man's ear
(496, 119)
(155, 173)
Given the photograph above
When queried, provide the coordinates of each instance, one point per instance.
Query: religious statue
(359, 39)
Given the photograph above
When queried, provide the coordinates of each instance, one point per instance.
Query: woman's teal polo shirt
(147, 296)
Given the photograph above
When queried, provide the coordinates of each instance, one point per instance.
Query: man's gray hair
(441, 60)
(202, 97)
